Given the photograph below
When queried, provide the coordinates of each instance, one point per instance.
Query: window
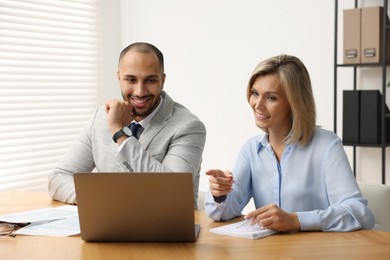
(48, 86)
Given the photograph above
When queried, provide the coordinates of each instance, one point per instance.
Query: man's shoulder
(100, 113)
(98, 118)
(180, 111)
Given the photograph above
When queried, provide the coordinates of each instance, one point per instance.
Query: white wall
(211, 48)
(110, 35)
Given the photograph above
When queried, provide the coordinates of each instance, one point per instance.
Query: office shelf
(383, 65)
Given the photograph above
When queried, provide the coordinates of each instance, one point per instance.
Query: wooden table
(364, 244)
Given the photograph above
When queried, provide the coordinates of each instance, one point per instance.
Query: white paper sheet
(44, 214)
(62, 227)
(243, 229)
(55, 221)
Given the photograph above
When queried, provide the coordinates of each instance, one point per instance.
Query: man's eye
(130, 80)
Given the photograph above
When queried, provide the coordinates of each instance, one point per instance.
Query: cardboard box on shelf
(352, 36)
(372, 35)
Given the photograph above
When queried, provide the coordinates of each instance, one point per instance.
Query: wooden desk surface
(362, 244)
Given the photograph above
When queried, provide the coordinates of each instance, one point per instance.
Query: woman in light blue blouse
(297, 174)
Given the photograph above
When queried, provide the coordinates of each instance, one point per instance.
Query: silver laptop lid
(136, 206)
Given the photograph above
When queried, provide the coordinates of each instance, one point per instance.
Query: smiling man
(145, 132)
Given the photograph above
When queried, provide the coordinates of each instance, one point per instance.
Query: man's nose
(139, 89)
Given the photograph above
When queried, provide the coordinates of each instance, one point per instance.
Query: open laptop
(138, 207)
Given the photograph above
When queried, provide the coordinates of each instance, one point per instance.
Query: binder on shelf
(371, 118)
(371, 35)
(352, 36)
(351, 116)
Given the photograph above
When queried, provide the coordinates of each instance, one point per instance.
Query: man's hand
(119, 114)
(221, 182)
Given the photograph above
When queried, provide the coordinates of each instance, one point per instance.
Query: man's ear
(117, 75)
(163, 80)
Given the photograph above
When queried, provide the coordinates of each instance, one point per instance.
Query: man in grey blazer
(170, 139)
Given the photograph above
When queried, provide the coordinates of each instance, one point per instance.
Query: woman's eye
(272, 98)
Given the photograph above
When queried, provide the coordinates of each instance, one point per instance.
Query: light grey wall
(211, 48)
(110, 35)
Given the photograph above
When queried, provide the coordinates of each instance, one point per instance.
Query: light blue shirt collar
(263, 142)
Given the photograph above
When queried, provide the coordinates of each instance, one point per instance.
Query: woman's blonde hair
(295, 80)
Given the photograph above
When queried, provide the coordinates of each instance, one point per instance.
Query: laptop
(136, 207)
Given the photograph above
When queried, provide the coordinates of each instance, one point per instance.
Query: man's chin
(139, 115)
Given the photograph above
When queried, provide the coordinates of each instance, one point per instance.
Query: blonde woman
(297, 173)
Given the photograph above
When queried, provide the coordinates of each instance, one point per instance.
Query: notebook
(243, 229)
(155, 207)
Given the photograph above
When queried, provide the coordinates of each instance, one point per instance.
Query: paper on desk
(39, 215)
(62, 227)
(55, 221)
(243, 229)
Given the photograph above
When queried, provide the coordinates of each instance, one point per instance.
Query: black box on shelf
(351, 116)
(371, 117)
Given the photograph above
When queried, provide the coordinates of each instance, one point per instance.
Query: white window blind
(48, 90)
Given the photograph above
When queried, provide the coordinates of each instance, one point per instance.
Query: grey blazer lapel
(158, 121)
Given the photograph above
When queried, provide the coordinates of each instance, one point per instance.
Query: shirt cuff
(123, 144)
(309, 221)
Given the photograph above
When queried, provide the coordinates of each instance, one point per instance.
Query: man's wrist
(123, 133)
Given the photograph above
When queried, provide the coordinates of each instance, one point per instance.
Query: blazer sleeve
(78, 158)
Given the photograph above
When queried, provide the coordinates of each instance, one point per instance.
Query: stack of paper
(58, 221)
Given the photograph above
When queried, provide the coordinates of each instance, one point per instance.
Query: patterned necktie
(134, 129)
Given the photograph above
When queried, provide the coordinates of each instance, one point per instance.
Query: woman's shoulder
(324, 135)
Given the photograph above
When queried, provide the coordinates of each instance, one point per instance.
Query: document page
(55, 221)
(44, 214)
(62, 227)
